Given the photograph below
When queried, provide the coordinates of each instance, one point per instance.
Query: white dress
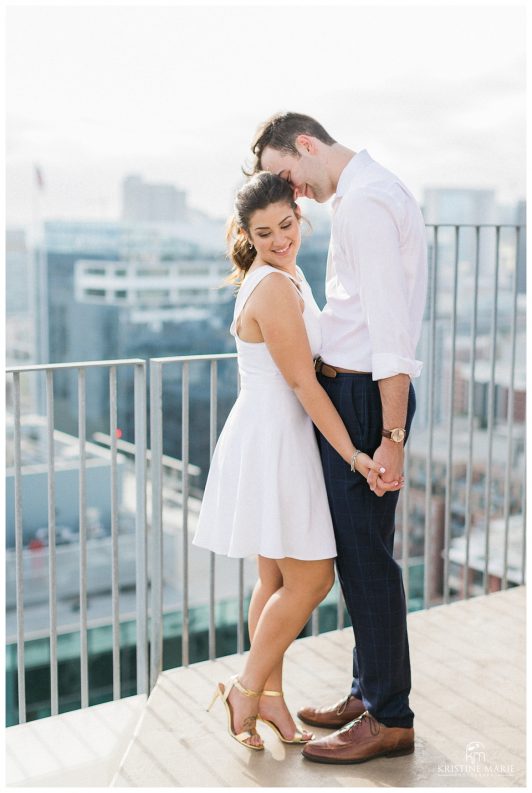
(265, 493)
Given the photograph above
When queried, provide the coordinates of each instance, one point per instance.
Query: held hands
(390, 456)
(376, 472)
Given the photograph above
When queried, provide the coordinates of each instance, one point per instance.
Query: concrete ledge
(82, 748)
(468, 662)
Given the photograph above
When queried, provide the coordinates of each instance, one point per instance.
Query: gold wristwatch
(397, 434)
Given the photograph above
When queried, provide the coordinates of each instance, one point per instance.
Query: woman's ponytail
(241, 254)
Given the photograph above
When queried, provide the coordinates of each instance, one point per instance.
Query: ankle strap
(247, 691)
(272, 693)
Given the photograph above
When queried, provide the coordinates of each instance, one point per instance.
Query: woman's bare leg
(269, 581)
(305, 584)
(272, 708)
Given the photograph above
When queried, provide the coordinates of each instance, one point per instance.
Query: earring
(250, 245)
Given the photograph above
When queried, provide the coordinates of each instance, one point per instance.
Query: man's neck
(337, 158)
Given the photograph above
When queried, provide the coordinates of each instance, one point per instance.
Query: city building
(145, 202)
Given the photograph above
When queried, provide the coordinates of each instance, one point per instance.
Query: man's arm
(374, 239)
(394, 398)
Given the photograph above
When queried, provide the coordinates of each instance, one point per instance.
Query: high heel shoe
(299, 736)
(223, 692)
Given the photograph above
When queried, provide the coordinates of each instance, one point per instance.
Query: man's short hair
(280, 131)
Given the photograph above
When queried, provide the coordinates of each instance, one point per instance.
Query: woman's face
(275, 233)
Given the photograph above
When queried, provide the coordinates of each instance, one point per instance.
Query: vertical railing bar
(185, 454)
(315, 621)
(52, 562)
(83, 635)
(523, 541)
(340, 605)
(491, 411)
(141, 539)
(213, 419)
(240, 625)
(510, 419)
(115, 598)
(450, 426)
(19, 545)
(156, 477)
(405, 496)
(471, 418)
(430, 415)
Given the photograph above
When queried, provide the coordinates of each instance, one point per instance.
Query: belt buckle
(318, 363)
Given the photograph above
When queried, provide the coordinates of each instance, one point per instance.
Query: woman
(265, 494)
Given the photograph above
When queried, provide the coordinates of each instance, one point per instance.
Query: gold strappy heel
(299, 736)
(223, 691)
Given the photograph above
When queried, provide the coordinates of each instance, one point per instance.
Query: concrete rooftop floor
(468, 670)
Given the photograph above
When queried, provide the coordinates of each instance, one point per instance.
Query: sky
(436, 93)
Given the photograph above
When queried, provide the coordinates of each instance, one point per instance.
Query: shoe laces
(342, 705)
(366, 716)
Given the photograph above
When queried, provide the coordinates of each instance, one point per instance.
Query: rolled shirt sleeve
(374, 237)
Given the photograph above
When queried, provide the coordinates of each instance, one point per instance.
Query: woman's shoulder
(273, 287)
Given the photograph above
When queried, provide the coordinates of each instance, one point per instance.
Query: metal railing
(141, 565)
(148, 668)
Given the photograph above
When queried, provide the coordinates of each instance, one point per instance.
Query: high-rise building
(144, 202)
(521, 253)
(458, 205)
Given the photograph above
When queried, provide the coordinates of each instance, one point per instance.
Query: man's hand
(365, 465)
(389, 455)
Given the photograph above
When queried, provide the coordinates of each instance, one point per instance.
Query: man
(375, 288)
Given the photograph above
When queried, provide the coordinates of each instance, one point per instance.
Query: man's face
(306, 173)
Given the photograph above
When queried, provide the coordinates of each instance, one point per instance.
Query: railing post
(185, 428)
(213, 418)
(471, 417)
(19, 546)
(491, 410)
(405, 498)
(52, 574)
(140, 529)
(510, 420)
(450, 426)
(156, 477)
(83, 643)
(115, 584)
(430, 423)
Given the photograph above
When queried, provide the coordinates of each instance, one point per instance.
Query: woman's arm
(274, 305)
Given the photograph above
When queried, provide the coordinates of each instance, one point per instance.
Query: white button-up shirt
(376, 273)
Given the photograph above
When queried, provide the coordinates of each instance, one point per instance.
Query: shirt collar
(352, 171)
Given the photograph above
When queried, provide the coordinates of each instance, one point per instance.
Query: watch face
(398, 435)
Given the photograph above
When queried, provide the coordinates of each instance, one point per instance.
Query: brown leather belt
(331, 371)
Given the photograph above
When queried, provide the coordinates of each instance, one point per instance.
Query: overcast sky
(436, 93)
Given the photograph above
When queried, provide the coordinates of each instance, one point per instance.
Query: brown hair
(259, 192)
(280, 131)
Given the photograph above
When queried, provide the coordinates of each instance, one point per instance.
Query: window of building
(193, 271)
(191, 292)
(95, 271)
(152, 273)
(95, 292)
(153, 295)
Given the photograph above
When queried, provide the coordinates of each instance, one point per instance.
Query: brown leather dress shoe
(334, 716)
(361, 740)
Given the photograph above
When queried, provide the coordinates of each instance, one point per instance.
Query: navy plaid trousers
(371, 579)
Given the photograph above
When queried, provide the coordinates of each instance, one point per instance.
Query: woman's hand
(364, 464)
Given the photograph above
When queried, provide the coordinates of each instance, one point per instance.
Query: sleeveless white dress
(265, 492)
